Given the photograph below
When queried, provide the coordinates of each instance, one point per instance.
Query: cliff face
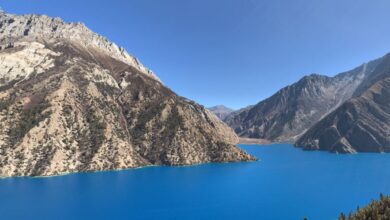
(72, 101)
(361, 124)
(295, 108)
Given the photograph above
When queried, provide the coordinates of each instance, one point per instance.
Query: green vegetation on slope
(3, 105)
(376, 210)
(29, 118)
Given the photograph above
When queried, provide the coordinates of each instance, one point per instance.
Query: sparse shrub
(96, 129)
(29, 118)
(173, 123)
(375, 210)
(144, 117)
(3, 105)
(91, 141)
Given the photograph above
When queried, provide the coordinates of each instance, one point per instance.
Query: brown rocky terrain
(287, 114)
(72, 101)
(361, 124)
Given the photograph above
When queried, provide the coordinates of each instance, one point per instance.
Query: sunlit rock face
(72, 101)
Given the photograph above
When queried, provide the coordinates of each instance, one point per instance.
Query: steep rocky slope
(72, 101)
(295, 108)
(221, 111)
(362, 124)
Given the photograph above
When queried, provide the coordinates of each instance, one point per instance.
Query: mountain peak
(220, 107)
(292, 110)
(33, 27)
(221, 111)
(72, 101)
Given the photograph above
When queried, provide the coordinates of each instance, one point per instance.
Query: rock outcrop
(72, 101)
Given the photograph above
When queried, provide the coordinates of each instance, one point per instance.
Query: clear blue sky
(232, 52)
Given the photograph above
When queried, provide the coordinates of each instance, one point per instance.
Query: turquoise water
(287, 183)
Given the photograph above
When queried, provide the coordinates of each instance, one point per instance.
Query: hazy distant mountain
(72, 101)
(295, 108)
(361, 124)
(221, 111)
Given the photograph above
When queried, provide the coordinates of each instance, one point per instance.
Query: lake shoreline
(301, 182)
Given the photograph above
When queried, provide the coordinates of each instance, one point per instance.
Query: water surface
(287, 183)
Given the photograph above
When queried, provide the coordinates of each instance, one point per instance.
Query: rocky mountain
(286, 115)
(221, 111)
(72, 101)
(361, 124)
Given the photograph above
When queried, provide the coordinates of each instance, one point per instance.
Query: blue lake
(287, 183)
